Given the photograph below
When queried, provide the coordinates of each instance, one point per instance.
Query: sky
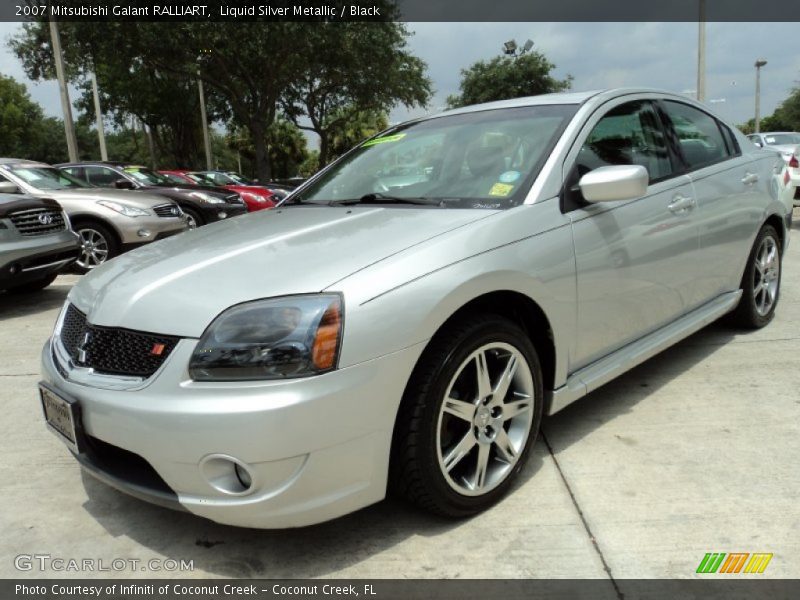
(597, 55)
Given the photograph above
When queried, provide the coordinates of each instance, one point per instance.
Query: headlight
(293, 336)
(203, 197)
(254, 197)
(125, 209)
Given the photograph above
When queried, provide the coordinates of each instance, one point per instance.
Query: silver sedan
(366, 336)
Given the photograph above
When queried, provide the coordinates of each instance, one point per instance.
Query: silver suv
(108, 222)
(36, 242)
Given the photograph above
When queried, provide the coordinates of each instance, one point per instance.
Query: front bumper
(219, 212)
(31, 258)
(316, 448)
(130, 228)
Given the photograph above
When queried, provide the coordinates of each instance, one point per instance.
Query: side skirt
(592, 376)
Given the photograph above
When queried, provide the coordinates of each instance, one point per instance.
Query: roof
(22, 161)
(575, 98)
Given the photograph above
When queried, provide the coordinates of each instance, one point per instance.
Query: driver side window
(629, 134)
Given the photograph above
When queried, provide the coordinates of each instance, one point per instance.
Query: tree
(26, 133)
(785, 118)
(129, 87)
(355, 128)
(20, 117)
(506, 77)
(362, 68)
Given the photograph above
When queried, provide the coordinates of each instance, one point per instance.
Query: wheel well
(779, 225)
(95, 221)
(528, 314)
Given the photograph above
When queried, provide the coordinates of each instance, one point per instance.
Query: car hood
(177, 286)
(70, 197)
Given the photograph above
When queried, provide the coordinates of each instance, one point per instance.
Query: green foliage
(310, 165)
(257, 76)
(505, 77)
(354, 128)
(785, 118)
(364, 69)
(26, 133)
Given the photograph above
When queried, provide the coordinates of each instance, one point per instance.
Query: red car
(256, 198)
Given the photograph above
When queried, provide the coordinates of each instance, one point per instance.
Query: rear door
(729, 189)
(636, 260)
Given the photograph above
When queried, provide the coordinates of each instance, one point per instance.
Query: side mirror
(609, 184)
(757, 144)
(6, 187)
(123, 184)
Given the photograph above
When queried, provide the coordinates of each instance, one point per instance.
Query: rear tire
(761, 282)
(468, 418)
(33, 286)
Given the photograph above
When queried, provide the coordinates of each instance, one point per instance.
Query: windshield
(146, 176)
(239, 179)
(782, 139)
(48, 178)
(485, 159)
(175, 178)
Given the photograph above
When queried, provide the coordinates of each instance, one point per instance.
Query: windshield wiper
(379, 198)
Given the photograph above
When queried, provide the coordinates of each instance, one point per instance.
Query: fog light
(143, 233)
(227, 474)
(243, 476)
(222, 215)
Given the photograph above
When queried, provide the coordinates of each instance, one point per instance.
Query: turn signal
(326, 342)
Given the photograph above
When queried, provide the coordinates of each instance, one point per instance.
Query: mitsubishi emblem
(83, 347)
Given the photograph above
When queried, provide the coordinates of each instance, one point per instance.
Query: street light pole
(759, 63)
(701, 53)
(69, 126)
(204, 120)
(101, 136)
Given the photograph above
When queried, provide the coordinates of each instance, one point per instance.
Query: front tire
(761, 281)
(468, 418)
(98, 244)
(193, 218)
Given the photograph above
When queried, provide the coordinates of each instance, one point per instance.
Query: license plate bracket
(62, 415)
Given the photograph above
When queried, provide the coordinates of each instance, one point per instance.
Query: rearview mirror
(123, 184)
(619, 182)
(6, 187)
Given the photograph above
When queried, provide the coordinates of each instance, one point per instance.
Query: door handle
(750, 178)
(680, 204)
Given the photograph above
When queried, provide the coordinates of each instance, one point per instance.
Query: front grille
(38, 221)
(167, 210)
(112, 350)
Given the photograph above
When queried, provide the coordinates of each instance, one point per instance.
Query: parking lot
(694, 451)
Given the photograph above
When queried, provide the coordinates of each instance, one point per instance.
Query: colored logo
(734, 562)
(509, 176)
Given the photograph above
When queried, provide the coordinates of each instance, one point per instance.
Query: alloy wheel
(485, 419)
(94, 249)
(766, 275)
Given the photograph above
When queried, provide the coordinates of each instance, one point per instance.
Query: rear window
(701, 140)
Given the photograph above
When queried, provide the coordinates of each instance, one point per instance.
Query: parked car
(787, 143)
(257, 196)
(413, 338)
(201, 206)
(36, 241)
(108, 222)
